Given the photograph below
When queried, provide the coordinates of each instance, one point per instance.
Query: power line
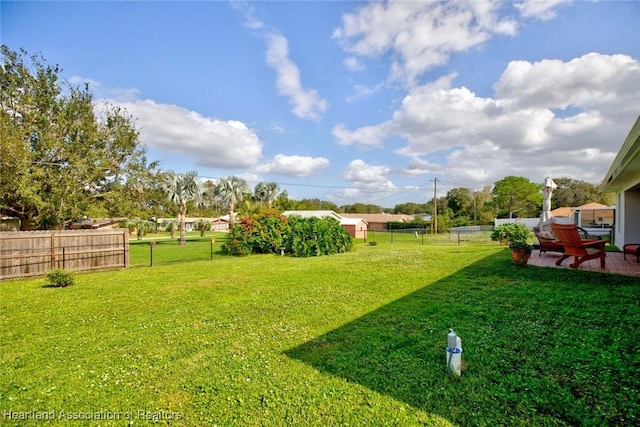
(336, 187)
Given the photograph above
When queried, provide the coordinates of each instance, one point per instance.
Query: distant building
(217, 224)
(378, 222)
(356, 227)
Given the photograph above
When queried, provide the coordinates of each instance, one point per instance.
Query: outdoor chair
(631, 249)
(549, 243)
(574, 246)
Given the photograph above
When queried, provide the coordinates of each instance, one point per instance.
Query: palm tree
(266, 192)
(170, 227)
(232, 191)
(182, 189)
(202, 226)
(141, 227)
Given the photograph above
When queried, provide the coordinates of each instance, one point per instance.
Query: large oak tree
(516, 195)
(60, 159)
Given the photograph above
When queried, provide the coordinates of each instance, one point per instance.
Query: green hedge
(302, 237)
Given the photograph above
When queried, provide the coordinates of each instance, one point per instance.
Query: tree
(282, 202)
(460, 204)
(574, 193)
(170, 227)
(266, 192)
(314, 204)
(182, 189)
(483, 211)
(232, 190)
(203, 226)
(59, 159)
(140, 226)
(517, 195)
(212, 201)
(361, 208)
(411, 208)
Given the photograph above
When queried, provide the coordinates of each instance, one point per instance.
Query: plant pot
(520, 256)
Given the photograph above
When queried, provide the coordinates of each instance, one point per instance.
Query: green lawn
(351, 339)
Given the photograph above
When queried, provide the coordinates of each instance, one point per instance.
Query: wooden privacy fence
(33, 253)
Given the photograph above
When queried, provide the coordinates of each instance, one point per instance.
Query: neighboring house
(310, 214)
(425, 217)
(226, 218)
(623, 178)
(562, 212)
(592, 214)
(94, 223)
(595, 215)
(356, 227)
(108, 222)
(217, 224)
(378, 222)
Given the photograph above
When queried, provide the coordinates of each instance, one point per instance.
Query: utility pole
(475, 208)
(435, 206)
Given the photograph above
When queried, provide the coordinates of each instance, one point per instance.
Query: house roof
(352, 221)
(308, 214)
(625, 170)
(382, 217)
(564, 211)
(593, 205)
(189, 219)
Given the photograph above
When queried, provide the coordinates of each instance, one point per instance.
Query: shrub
(59, 278)
(316, 236)
(269, 233)
(515, 234)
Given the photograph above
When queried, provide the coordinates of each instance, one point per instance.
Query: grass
(351, 339)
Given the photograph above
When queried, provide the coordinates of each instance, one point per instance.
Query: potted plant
(516, 235)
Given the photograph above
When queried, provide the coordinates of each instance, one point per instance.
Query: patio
(615, 263)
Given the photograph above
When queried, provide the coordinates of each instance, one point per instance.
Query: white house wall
(630, 229)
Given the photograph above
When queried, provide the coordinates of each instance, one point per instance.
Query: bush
(260, 234)
(59, 278)
(515, 234)
(316, 236)
(270, 233)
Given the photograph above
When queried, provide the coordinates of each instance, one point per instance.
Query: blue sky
(356, 101)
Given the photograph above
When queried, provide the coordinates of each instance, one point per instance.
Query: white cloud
(354, 64)
(210, 142)
(249, 13)
(251, 179)
(363, 91)
(369, 183)
(547, 118)
(101, 91)
(368, 136)
(543, 10)
(298, 166)
(420, 35)
(418, 166)
(590, 81)
(306, 103)
(362, 174)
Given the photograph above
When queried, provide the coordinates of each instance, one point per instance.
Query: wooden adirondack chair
(574, 246)
(548, 242)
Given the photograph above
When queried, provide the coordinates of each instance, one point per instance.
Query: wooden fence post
(53, 251)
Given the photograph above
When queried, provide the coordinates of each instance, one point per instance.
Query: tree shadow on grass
(512, 322)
